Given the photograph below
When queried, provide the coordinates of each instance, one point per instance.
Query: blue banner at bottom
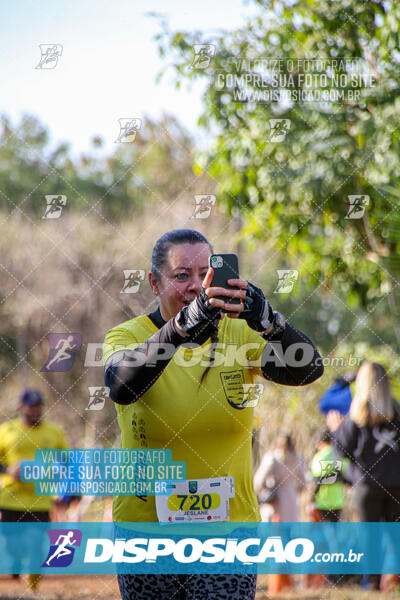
(107, 548)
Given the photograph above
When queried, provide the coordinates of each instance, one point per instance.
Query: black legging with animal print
(187, 587)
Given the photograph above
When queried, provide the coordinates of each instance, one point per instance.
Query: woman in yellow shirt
(175, 385)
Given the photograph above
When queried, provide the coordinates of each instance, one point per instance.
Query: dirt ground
(104, 587)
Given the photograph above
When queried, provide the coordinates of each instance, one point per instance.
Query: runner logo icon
(128, 129)
(204, 204)
(133, 278)
(287, 279)
(62, 347)
(97, 397)
(357, 206)
(278, 129)
(203, 53)
(62, 547)
(54, 205)
(50, 53)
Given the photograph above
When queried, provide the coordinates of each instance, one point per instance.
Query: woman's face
(182, 276)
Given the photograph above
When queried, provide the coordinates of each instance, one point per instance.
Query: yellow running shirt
(17, 443)
(197, 423)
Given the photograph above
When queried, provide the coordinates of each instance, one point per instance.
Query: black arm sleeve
(130, 373)
(290, 358)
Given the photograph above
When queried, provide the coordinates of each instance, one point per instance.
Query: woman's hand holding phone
(205, 308)
(198, 315)
(257, 310)
(232, 310)
(253, 307)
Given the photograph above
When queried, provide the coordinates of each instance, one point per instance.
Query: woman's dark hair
(173, 238)
(159, 260)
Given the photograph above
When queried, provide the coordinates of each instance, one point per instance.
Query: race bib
(196, 500)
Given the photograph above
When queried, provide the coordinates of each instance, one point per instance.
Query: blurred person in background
(279, 478)
(329, 495)
(66, 508)
(338, 396)
(370, 437)
(277, 482)
(19, 439)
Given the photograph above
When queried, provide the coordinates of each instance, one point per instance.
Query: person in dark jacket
(370, 437)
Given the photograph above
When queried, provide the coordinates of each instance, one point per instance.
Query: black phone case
(229, 270)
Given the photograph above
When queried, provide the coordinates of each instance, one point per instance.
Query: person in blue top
(338, 396)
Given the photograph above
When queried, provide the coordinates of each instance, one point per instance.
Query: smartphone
(226, 266)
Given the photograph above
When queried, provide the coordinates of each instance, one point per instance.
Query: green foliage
(154, 167)
(294, 193)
